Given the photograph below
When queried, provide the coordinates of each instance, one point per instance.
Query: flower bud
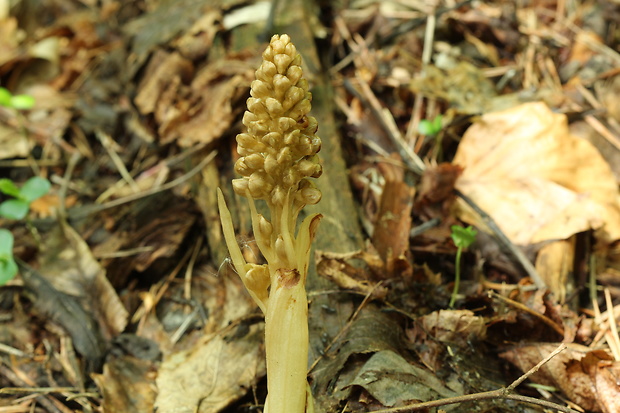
(271, 165)
(292, 96)
(242, 168)
(282, 62)
(285, 123)
(292, 139)
(240, 186)
(264, 227)
(310, 196)
(259, 185)
(266, 71)
(282, 85)
(274, 107)
(259, 89)
(254, 161)
(257, 280)
(281, 249)
(309, 167)
(278, 150)
(294, 73)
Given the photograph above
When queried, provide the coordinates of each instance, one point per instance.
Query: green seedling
(18, 207)
(463, 238)
(8, 267)
(430, 127)
(17, 102)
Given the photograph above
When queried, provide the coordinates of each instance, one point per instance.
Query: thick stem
(286, 344)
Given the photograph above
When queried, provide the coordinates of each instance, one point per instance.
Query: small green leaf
(430, 128)
(8, 267)
(34, 188)
(463, 237)
(5, 97)
(22, 102)
(426, 127)
(437, 123)
(6, 242)
(8, 187)
(14, 209)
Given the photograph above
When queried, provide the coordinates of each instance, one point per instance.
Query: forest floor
(471, 205)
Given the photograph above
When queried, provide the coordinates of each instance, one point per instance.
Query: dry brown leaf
(13, 144)
(554, 263)
(566, 371)
(536, 180)
(196, 42)
(11, 36)
(127, 385)
(606, 381)
(210, 375)
(182, 110)
(391, 232)
(436, 193)
(454, 326)
(582, 50)
(214, 90)
(162, 70)
(336, 268)
(46, 205)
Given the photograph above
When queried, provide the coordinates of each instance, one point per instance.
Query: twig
(537, 367)
(187, 285)
(48, 401)
(109, 145)
(366, 96)
(612, 335)
(62, 193)
(505, 242)
(427, 51)
(555, 326)
(503, 393)
(92, 209)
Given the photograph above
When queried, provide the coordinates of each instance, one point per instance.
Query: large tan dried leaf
(209, 376)
(11, 36)
(587, 377)
(13, 144)
(536, 180)
(181, 111)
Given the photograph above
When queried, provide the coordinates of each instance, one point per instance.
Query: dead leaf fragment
(554, 263)
(391, 380)
(573, 370)
(454, 326)
(536, 180)
(163, 70)
(391, 232)
(127, 385)
(210, 375)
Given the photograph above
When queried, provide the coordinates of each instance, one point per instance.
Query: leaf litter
(121, 305)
